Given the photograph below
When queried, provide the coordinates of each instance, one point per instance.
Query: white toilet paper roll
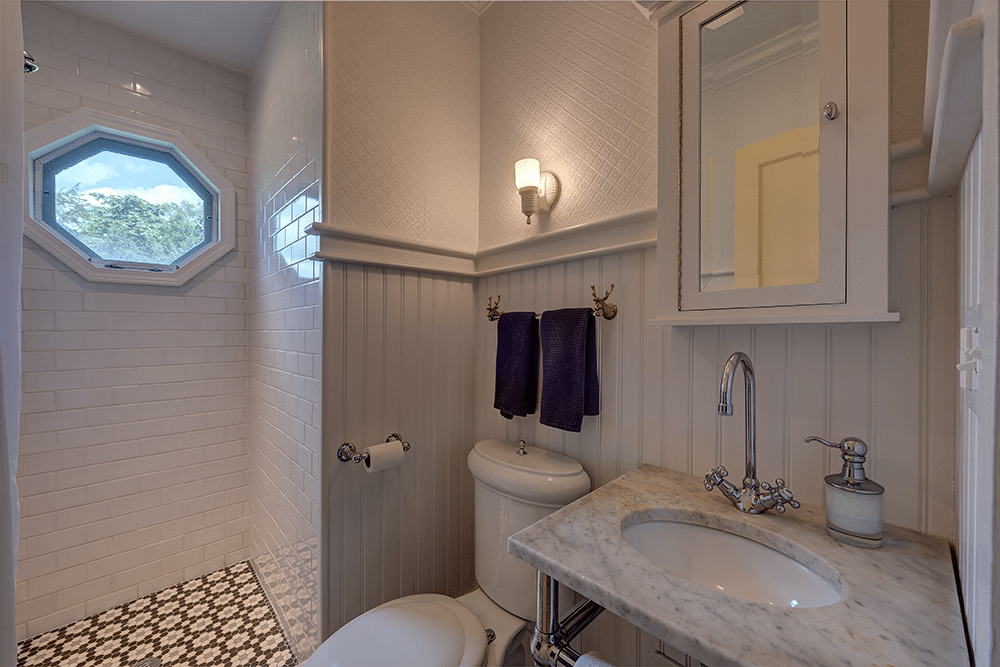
(383, 456)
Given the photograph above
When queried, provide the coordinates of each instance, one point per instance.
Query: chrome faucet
(755, 497)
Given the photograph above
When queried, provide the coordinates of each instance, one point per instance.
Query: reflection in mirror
(760, 146)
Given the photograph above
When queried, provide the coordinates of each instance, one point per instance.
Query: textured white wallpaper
(574, 85)
(432, 104)
(404, 78)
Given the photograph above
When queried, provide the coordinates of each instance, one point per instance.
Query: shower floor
(222, 619)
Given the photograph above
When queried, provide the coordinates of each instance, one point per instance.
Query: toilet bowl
(514, 487)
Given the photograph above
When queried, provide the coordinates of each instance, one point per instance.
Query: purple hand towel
(570, 388)
(517, 365)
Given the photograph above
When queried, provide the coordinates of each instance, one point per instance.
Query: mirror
(765, 232)
(760, 171)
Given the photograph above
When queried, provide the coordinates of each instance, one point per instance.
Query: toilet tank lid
(540, 476)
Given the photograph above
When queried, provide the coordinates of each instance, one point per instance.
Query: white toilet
(515, 487)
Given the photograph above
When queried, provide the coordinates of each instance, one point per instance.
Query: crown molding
(793, 43)
(478, 7)
(658, 12)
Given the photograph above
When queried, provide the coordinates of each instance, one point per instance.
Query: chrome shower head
(29, 64)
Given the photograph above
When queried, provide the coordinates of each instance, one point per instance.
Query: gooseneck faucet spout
(755, 497)
(726, 408)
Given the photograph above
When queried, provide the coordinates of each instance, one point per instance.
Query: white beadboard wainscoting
(414, 352)
(890, 384)
(398, 356)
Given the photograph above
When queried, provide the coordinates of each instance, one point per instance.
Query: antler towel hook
(601, 305)
(493, 312)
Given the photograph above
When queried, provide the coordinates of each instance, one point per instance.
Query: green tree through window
(129, 228)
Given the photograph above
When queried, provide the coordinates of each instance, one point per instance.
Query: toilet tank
(514, 491)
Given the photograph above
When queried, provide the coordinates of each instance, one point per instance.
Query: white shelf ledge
(956, 122)
(794, 315)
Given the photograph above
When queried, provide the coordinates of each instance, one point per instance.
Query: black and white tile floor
(222, 619)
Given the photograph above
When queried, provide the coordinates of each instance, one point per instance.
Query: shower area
(171, 434)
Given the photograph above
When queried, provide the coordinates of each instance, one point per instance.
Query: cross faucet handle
(780, 495)
(715, 476)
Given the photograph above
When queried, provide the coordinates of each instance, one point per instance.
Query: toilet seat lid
(417, 630)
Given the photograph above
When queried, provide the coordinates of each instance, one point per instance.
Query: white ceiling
(225, 32)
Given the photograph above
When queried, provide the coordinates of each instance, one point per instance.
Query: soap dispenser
(853, 502)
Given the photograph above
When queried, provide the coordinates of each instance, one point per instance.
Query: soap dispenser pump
(853, 502)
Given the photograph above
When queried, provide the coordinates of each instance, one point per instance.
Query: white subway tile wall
(286, 113)
(133, 474)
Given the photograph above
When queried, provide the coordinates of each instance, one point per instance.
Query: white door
(979, 250)
(979, 246)
(976, 419)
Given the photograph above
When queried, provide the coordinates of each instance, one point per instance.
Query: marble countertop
(900, 605)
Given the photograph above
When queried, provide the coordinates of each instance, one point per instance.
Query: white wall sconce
(539, 190)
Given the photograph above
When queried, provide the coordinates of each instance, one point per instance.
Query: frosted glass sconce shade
(526, 173)
(538, 190)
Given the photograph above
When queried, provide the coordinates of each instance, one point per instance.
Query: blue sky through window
(112, 173)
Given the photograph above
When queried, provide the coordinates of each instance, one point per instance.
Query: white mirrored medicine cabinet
(773, 199)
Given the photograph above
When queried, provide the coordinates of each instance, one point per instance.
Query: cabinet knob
(830, 111)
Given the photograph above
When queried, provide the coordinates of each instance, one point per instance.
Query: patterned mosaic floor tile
(222, 619)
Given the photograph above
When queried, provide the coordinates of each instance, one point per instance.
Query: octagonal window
(127, 204)
(123, 201)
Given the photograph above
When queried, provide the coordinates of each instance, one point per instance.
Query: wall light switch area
(969, 357)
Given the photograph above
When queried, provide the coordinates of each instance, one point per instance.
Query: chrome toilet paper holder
(348, 452)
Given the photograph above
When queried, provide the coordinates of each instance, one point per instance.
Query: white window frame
(55, 136)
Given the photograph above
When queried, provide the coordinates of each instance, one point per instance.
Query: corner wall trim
(631, 231)
(342, 245)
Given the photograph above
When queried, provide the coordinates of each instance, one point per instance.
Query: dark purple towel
(517, 365)
(569, 368)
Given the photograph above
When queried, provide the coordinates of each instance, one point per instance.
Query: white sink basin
(729, 563)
